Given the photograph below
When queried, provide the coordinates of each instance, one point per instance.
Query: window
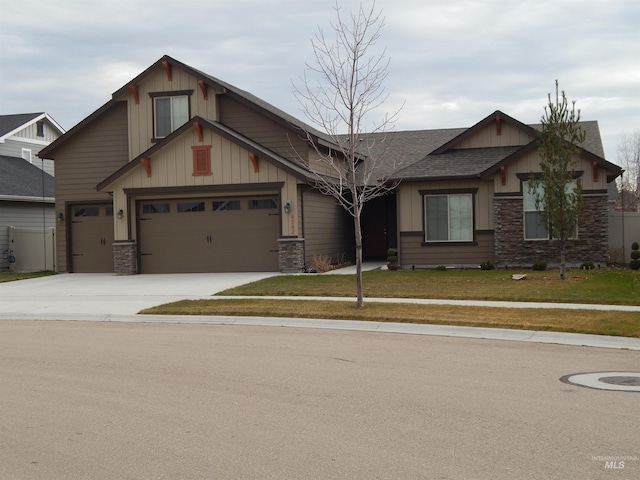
(534, 228)
(190, 207)
(40, 129)
(171, 112)
(219, 205)
(26, 154)
(448, 218)
(201, 160)
(263, 203)
(86, 212)
(156, 208)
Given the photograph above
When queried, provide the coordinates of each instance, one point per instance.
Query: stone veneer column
(125, 258)
(291, 255)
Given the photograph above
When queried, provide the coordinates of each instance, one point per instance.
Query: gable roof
(10, 124)
(21, 179)
(446, 162)
(221, 130)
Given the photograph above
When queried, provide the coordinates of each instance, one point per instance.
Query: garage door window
(263, 204)
(220, 205)
(86, 212)
(156, 208)
(190, 207)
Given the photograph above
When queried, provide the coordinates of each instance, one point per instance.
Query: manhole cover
(618, 381)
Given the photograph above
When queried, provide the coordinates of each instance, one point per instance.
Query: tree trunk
(562, 261)
(358, 239)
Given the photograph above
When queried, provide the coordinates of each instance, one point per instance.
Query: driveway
(68, 296)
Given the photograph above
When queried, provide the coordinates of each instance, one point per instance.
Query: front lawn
(12, 276)
(606, 286)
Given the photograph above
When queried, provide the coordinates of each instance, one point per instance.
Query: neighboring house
(26, 186)
(182, 172)
(24, 135)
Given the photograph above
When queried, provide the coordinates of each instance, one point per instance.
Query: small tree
(338, 94)
(558, 190)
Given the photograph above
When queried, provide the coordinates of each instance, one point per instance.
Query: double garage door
(231, 234)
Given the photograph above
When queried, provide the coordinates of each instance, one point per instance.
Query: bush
(488, 265)
(441, 268)
(634, 264)
(392, 258)
(539, 266)
(587, 266)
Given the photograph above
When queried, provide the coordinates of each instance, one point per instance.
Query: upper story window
(448, 217)
(26, 154)
(40, 129)
(171, 111)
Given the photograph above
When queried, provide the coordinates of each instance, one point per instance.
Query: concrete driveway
(69, 296)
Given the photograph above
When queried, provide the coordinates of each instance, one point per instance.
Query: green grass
(626, 324)
(610, 286)
(13, 276)
(606, 286)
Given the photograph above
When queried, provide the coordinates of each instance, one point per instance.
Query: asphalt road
(107, 400)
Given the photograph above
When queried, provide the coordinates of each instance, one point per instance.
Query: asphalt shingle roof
(9, 123)
(19, 178)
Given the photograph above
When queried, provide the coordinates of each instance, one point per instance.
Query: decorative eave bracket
(204, 88)
(255, 162)
(167, 68)
(146, 163)
(135, 92)
(198, 128)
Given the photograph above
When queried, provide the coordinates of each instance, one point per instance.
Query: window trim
(157, 95)
(452, 192)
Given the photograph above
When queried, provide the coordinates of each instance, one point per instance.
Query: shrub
(392, 258)
(488, 265)
(540, 266)
(587, 266)
(441, 268)
(321, 263)
(634, 264)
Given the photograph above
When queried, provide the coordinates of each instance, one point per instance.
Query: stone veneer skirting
(291, 255)
(125, 258)
(592, 244)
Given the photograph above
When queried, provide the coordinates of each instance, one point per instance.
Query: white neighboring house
(27, 200)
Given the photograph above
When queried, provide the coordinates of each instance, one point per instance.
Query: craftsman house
(182, 172)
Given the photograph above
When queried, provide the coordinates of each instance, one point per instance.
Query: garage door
(92, 238)
(231, 234)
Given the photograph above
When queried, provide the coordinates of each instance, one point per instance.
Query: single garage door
(92, 238)
(231, 234)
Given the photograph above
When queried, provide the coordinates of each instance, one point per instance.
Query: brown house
(181, 172)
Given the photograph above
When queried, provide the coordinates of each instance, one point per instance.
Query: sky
(452, 62)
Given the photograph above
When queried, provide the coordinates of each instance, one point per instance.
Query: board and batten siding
(85, 161)
(510, 135)
(172, 166)
(530, 163)
(140, 117)
(327, 230)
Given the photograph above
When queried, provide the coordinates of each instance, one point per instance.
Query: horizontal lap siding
(87, 160)
(415, 253)
(327, 228)
(261, 129)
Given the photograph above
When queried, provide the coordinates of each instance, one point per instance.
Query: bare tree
(629, 183)
(339, 94)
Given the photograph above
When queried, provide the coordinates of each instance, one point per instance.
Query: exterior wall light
(120, 213)
(60, 217)
(287, 208)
